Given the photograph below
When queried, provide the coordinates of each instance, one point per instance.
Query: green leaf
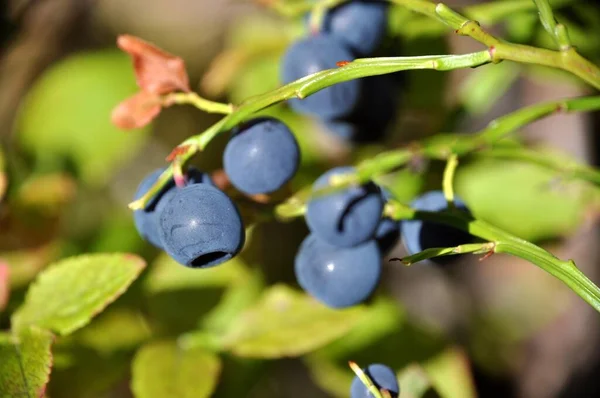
(284, 323)
(415, 383)
(114, 330)
(26, 363)
(70, 292)
(520, 198)
(450, 373)
(164, 370)
(168, 275)
(67, 114)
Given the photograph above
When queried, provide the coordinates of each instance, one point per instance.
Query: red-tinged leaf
(4, 285)
(156, 71)
(136, 111)
(25, 363)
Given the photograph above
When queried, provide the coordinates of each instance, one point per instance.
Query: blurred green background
(498, 328)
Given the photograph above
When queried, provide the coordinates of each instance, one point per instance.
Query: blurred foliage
(222, 331)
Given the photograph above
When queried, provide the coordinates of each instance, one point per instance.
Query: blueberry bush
(323, 187)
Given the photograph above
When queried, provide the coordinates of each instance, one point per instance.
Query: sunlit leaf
(164, 370)
(26, 363)
(285, 323)
(69, 293)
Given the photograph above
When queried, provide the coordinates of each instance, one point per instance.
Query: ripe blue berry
(361, 25)
(388, 231)
(345, 218)
(313, 54)
(201, 227)
(418, 235)
(338, 277)
(261, 156)
(146, 220)
(382, 376)
(374, 113)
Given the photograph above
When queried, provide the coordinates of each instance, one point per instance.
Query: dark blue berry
(261, 156)
(419, 235)
(313, 54)
(201, 227)
(374, 113)
(361, 25)
(388, 231)
(338, 277)
(146, 220)
(348, 217)
(382, 376)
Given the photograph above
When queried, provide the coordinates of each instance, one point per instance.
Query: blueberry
(388, 231)
(374, 113)
(338, 277)
(382, 376)
(418, 235)
(361, 25)
(313, 54)
(261, 156)
(201, 227)
(347, 217)
(146, 220)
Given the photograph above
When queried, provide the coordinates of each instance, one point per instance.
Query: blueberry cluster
(199, 225)
(339, 263)
(357, 110)
(382, 376)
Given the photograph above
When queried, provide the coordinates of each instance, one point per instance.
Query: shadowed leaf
(25, 363)
(69, 293)
(165, 370)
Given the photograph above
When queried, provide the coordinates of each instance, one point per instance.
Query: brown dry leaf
(137, 111)
(156, 71)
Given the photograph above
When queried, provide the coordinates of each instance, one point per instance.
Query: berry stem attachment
(448, 181)
(366, 380)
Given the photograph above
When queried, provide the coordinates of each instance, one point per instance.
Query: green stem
(504, 242)
(309, 85)
(557, 31)
(475, 248)
(194, 99)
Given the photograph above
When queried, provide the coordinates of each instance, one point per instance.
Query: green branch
(308, 85)
(504, 242)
